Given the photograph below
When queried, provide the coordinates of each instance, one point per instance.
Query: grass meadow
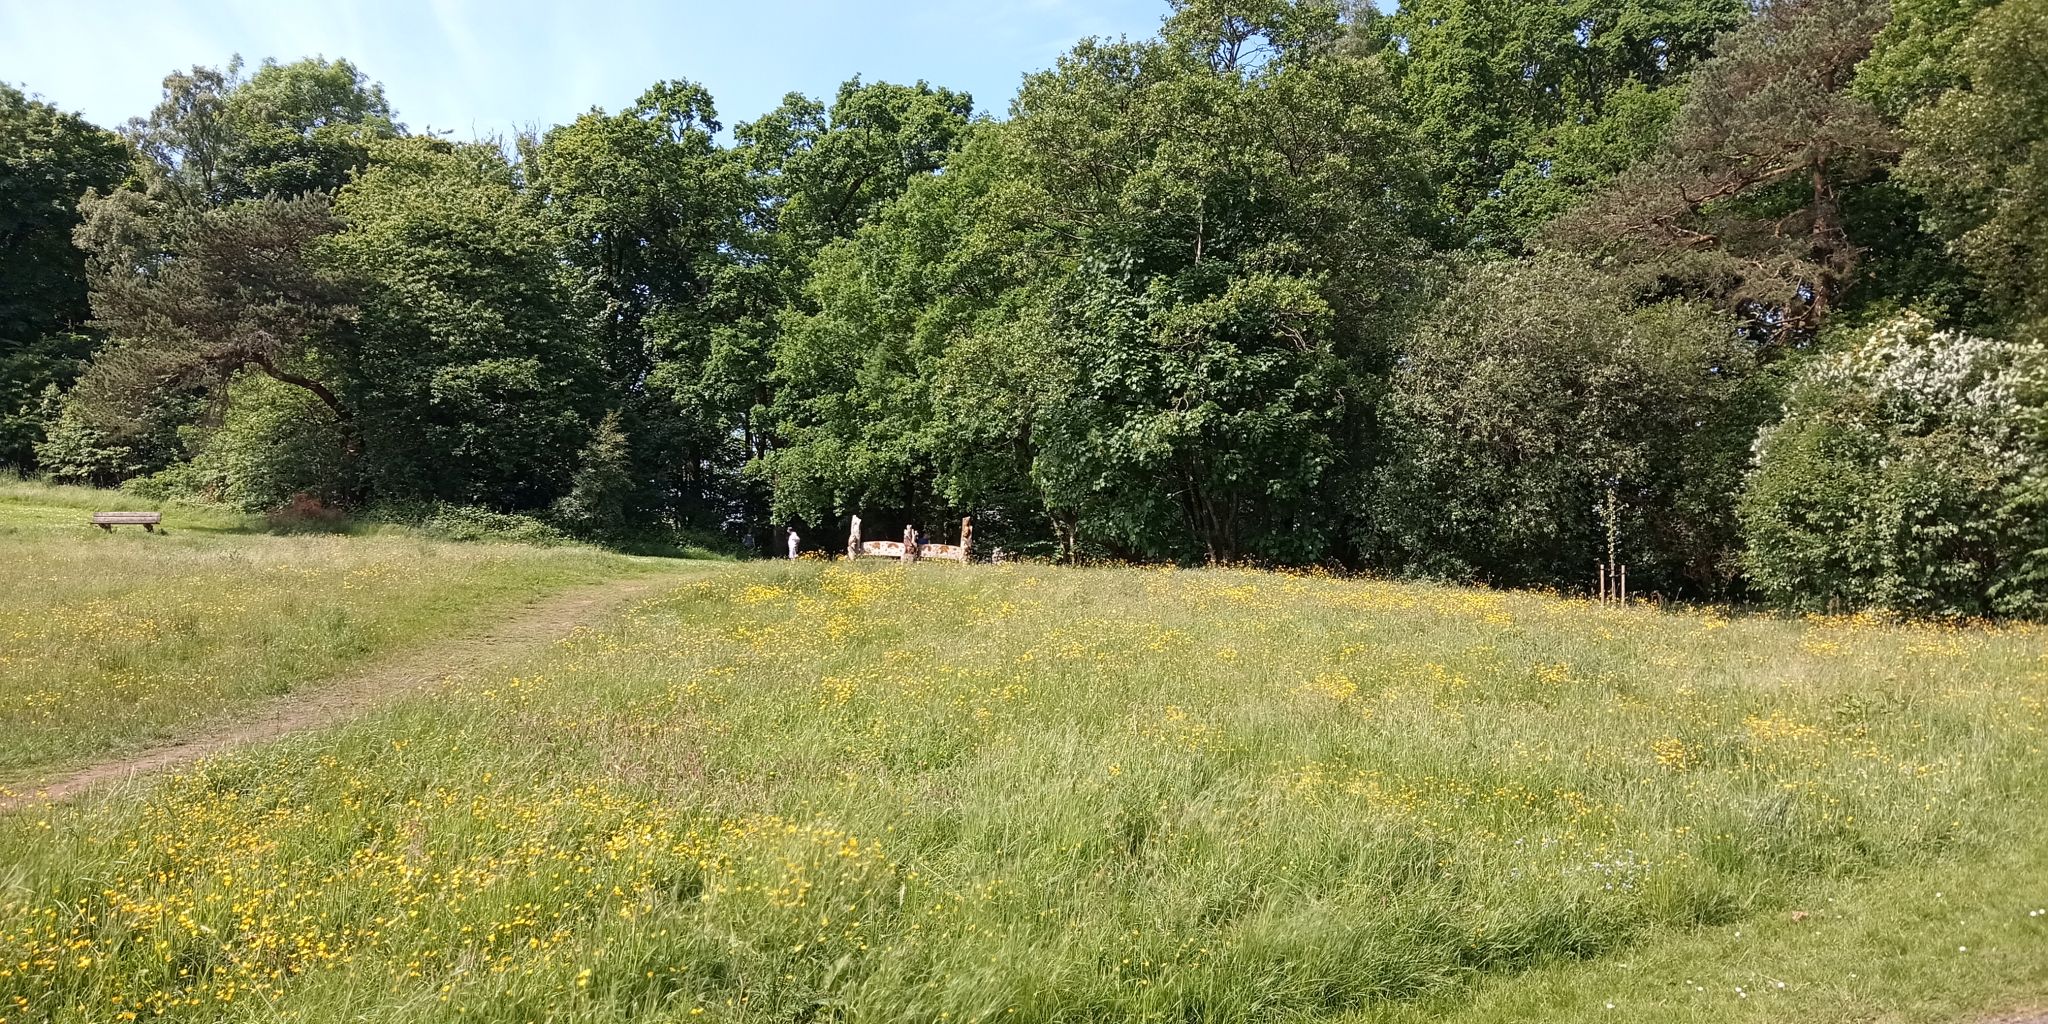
(112, 640)
(808, 792)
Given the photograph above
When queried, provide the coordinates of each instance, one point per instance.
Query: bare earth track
(353, 693)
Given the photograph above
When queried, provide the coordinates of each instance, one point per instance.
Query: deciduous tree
(1535, 390)
(1979, 156)
(48, 160)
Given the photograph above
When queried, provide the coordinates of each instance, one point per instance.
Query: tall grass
(797, 793)
(109, 640)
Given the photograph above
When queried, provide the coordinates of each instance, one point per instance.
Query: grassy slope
(795, 793)
(110, 640)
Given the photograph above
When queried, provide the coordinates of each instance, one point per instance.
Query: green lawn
(811, 793)
(113, 640)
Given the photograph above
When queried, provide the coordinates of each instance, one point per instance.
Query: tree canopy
(1477, 290)
(48, 160)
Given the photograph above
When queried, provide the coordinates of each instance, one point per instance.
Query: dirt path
(350, 694)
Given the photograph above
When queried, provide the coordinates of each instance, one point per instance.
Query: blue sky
(489, 67)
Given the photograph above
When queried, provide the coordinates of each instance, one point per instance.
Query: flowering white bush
(1909, 472)
(1923, 380)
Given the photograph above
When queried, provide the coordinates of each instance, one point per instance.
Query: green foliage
(466, 359)
(193, 298)
(48, 159)
(217, 137)
(840, 365)
(1197, 298)
(76, 449)
(855, 376)
(641, 202)
(1910, 473)
(1914, 59)
(1527, 102)
(828, 171)
(1577, 158)
(1529, 393)
(306, 126)
(1210, 429)
(468, 523)
(273, 442)
(1243, 219)
(1743, 202)
(1980, 155)
(1149, 298)
(604, 493)
(649, 212)
(28, 370)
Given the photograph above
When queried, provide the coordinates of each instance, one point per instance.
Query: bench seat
(108, 520)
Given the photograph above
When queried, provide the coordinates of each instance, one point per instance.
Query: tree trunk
(1831, 243)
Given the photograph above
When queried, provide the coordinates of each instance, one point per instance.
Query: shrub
(1528, 394)
(77, 450)
(275, 445)
(468, 522)
(1909, 474)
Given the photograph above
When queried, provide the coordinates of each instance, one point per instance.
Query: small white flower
(1962, 949)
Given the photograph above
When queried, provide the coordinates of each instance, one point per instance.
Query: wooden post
(1624, 584)
(967, 539)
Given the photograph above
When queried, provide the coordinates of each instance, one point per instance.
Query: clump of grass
(803, 792)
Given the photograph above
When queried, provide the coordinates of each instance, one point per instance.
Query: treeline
(1747, 293)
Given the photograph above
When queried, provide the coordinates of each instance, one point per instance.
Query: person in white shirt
(793, 541)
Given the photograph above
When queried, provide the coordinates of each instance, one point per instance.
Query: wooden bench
(962, 552)
(108, 520)
(894, 549)
(950, 552)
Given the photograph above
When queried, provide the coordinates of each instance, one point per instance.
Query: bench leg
(109, 527)
(149, 527)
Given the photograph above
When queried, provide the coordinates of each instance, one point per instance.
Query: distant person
(794, 540)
